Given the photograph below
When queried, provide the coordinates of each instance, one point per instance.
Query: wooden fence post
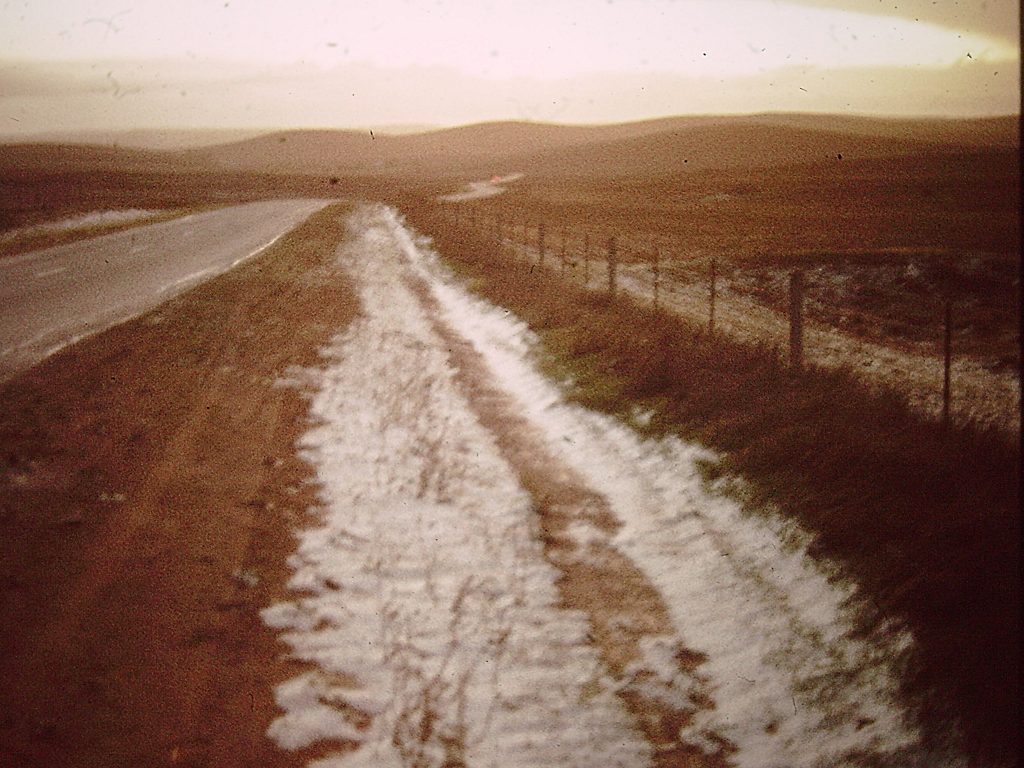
(947, 353)
(612, 265)
(711, 302)
(796, 320)
(540, 244)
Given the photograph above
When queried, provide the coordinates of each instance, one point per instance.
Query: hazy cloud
(112, 95)
(994, 18)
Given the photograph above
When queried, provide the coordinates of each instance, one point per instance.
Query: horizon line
(414, 127)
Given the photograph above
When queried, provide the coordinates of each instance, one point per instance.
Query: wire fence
(750, 304)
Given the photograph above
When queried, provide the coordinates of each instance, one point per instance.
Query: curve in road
(54, 297)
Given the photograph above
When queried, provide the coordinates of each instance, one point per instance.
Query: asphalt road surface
(52, 298)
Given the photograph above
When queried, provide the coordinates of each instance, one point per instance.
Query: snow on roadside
(793, 683)
(987, 397)
(426, 605)
(85, 221)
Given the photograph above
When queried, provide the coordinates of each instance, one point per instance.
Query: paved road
(52, 298)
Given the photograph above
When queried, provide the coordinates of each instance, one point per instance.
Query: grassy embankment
(926, 522)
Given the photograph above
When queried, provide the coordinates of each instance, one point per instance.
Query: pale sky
(264, 63)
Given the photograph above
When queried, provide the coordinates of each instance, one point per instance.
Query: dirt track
(147, 491)
(498, 578)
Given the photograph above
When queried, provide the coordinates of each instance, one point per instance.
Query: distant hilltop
(652, 147)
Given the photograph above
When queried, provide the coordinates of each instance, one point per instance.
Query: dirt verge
(148, 488)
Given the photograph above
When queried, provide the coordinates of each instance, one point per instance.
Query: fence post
(612, 265)
(657, 275)
(540, 244)
(711, 302)
(796, 320)
(947, 352)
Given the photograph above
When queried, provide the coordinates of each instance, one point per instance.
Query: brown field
(890, 219)
(892, 239)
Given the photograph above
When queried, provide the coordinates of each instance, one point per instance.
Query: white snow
(477, 190)
(425, 581)
(433, 621)
(85, 221)
(308, 720)
(793, 683)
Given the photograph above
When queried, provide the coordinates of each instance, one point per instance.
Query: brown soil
(148, 487)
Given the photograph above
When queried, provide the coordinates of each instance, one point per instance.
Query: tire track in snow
(793, 682)
(656, 678)
(427, 610)
(434, 623)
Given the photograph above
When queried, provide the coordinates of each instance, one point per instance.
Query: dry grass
(960, 201)
(887, 240)
(926, 522)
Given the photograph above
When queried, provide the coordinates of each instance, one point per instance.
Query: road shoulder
(149, 487)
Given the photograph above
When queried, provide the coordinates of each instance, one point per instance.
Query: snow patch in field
(792, 682)
(478, 190)
(85, 221)
(424, 589)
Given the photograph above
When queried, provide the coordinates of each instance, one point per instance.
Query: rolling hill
(654, 147)
(623, 149)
